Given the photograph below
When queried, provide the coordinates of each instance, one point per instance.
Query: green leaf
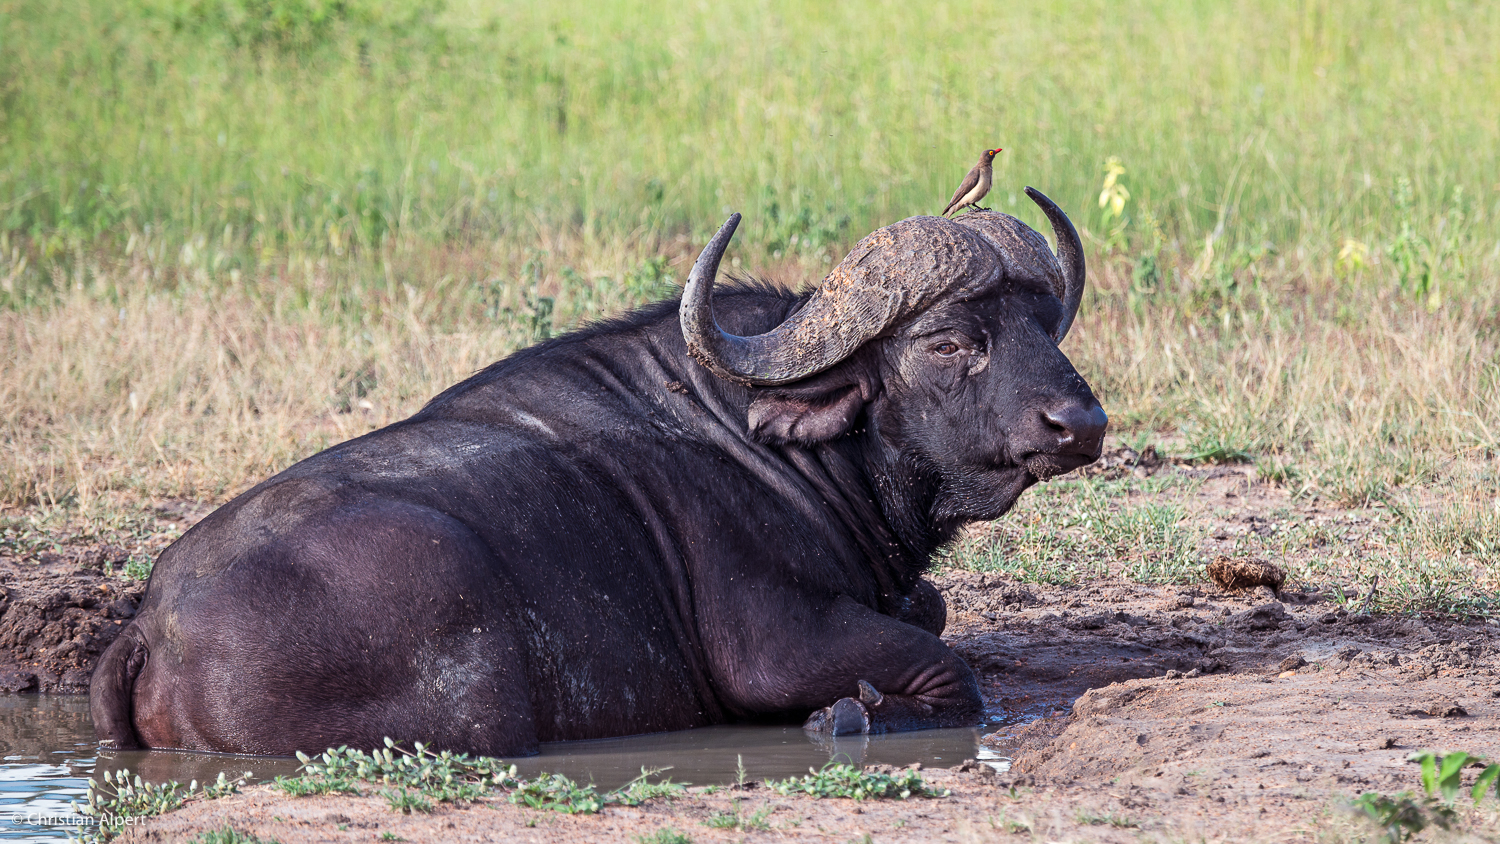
(1486, 779)
(1450, 776)
(1429, 771)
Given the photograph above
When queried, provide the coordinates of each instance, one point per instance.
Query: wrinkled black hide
(597, 537)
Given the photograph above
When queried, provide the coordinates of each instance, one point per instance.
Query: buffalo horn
(1069, 254)
(833, 323)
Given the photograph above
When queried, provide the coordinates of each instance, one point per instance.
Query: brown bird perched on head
(975, 185)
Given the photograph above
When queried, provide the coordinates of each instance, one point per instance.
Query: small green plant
(229, 835)
(1005, 824)
(841, 780)
(138, 567)
(443, 777)
(1112, 200)
(665, 835)
(1403, 815)
(641, 789)
(735, 819)
(557, 793)
(1354, 258)
(305, 786)
(1442, 775)
(122, 796)
(407, 802)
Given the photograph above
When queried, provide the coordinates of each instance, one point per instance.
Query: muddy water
(47, 754)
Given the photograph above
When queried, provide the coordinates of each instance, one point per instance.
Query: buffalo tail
(112, 691)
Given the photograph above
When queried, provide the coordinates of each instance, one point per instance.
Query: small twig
(1364, 605)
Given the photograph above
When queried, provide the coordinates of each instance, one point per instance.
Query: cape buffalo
(702, 512)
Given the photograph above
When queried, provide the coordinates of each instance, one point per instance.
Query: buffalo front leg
(857, 671)
(918, 684)
(873, 712)
(943, 698)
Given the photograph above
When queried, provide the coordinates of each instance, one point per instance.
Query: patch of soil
(55, 621)
(1039, 648)
(64, 598)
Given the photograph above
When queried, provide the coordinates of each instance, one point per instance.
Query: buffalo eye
(945, 349)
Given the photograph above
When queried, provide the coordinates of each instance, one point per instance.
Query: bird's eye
(946, 350)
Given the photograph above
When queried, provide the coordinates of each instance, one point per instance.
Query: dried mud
(64, 596)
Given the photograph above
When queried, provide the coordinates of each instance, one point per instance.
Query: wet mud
(57, 616)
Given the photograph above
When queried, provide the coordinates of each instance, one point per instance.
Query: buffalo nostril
(1077, 423)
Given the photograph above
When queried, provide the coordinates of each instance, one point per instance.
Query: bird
(974, 186)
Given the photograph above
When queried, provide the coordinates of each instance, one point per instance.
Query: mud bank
(56, 618)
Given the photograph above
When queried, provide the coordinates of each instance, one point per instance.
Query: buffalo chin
(980, 498)
(1048, 466)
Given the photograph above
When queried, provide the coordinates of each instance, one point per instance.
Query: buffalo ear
(807, 415)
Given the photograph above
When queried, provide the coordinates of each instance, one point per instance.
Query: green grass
(853, 782)
(1092, 818)
(737, 819)
(1074, 531)
(1429, 550)
(222, 134)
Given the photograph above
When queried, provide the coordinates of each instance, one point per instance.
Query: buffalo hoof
(847, 716)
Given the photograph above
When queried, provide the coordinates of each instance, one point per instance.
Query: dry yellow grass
(1338, 388)
(135, 388)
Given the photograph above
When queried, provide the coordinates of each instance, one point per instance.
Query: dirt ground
(57, 615)
(64, 597)
(1138, 713)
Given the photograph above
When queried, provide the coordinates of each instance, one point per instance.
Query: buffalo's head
(940, 338)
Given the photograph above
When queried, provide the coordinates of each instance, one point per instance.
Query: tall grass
(309, 125)
(233, 231)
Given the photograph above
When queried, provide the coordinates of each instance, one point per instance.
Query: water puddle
(47, 753)
(48, 750)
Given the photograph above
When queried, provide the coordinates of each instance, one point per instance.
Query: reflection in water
(46, 755)
(714, 755)
(49, 754)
